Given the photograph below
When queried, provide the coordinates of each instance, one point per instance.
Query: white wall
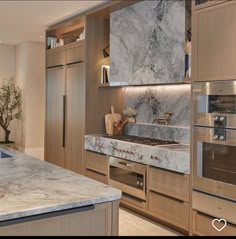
(30, 76)
(6, 71)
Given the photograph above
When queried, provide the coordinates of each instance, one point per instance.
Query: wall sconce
(105, 53)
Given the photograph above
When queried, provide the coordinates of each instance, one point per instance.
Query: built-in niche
(151, 102)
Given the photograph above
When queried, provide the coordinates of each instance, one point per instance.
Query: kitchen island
(38, 198)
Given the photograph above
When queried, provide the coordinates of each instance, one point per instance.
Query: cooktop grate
(141, 140)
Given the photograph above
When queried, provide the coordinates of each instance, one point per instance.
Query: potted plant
(130, 114)
(10, 106)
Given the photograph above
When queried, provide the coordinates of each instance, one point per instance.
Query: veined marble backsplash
(152, 102)
(165, 132)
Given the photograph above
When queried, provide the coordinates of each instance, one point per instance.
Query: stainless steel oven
(214, 99)
(214, 138)
(128, 176)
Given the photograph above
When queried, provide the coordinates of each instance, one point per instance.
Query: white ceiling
(27, 20)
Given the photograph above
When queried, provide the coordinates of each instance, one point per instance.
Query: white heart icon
(219, 220)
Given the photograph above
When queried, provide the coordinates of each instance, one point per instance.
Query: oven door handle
(126, 164)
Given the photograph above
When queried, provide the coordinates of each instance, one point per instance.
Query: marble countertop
(167, 157)
(29, 186)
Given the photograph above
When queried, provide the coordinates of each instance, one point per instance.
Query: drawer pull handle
(126, 164)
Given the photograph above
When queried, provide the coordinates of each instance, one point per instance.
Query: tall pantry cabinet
(65, 89)
(76, 103)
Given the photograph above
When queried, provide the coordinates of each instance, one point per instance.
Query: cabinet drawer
(202, 226)
(170, 183)
(97, 176)
(75, 53)
(214, 206)
(169, 210)
(97, 162)
(56, 57)
(133, 202)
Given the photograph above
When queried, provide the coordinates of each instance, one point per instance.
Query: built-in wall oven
(214, 138)
(128, 176)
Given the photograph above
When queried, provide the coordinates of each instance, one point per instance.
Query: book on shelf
(105, 74)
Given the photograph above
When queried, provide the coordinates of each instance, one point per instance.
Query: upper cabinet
(147, 43)
(214, 37)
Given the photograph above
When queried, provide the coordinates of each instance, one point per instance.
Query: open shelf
(65, 33)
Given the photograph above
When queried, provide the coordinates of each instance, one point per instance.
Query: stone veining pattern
(147, 43)
(152, 102)
(176, 160)
(155, 131)
(29, 186)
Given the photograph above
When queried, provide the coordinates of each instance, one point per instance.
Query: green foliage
(10, 104)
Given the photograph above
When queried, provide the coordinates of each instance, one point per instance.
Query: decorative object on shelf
(82, 35)
(10, 106)
(130, 114)
(165, 119)
(105, 53)
(118, 126)
(105, 74)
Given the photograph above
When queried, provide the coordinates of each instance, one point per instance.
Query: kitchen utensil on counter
(110, 119)
(119, 126)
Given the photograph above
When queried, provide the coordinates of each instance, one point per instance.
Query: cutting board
(110, 119)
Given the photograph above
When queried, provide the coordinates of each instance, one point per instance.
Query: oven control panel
(219, 128)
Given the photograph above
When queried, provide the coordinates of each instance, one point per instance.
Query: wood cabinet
(169, 183)
(97, 166)
(214, 36)
(200, 4)
(214, 206)
(55, 90)
(94, 220)
(168, 196)
(202, 226)
(169, 209)
(65, 95)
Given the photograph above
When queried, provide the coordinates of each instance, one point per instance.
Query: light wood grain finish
(207, 4)
(169, 183)
(133, 202)
(214, 42)
(97, 162)
(95, 222)
(98, 100)
(97, 176)
(202, 226)
(133, 224)
(168, 209)
(56, 57)
(75, 53)
(214, 206)
(54, 151)
(74, 117)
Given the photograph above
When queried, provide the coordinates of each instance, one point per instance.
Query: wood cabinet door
(54, 150)
(55, 57)
(214, 37)
(75, 101)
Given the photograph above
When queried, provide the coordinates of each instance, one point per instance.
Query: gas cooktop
(141, 140)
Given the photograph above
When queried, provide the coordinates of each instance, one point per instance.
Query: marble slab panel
(147, 43)
(152, 102)
(177, 160)
(29, 186)
(164, 132)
